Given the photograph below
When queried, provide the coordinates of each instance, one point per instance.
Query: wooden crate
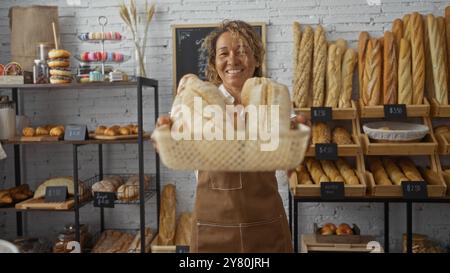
(314, 190)
(343, 150)
(310, 245)
(422, 110)
(443, 145)
(437, 189)
(428, 145)
(337, 113)
(437, 110)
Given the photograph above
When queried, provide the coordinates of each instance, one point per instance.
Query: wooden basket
(438, 110)
(443, 145)
(338, 113)
(437, 189)
(421, 110)
(301, 190)
(231, 155)
(310, 245)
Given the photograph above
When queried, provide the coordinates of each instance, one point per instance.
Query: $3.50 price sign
(395, 111)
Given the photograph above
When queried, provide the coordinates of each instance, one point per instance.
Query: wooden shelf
(343, 150)
(421, 110)
(70, 142)
(439, 111)
(337, 113)
(443, 145)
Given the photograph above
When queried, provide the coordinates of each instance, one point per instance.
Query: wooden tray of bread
(41, 133)
(340, 234)
(305, 180)
(380, 182)
(116, 132)
(104, 137)
(40, 204)
(310, 245)
(439, 110)
(377, 111)
(337, 113)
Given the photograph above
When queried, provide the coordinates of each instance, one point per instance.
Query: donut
(58, 53)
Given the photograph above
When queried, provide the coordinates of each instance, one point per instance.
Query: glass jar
(7, 120)
(40, 72)
(42, 50)
(68, 235)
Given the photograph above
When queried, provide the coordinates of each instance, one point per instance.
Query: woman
(237, 211)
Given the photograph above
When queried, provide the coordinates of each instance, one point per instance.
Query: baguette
(372, 73)
(362, 47)
(342, 44)
(347, 172)
(395, 174)
(409, 169)
(429, 80)
(348, 66)
(442, 35)
(389, 69)
(297, 37)
(404, 73)
(397, 31)
(333, 76)
(418, 58)
(303, 177)
(167, 219)
(331, 171)
(319, 66)
(406, 27)
(302, 84)
(447, 31)
(379, 173)
(316, 171)
(184, 229)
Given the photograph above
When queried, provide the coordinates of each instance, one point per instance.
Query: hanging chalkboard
(188, 56)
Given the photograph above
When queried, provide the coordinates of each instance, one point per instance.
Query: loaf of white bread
(66, 181)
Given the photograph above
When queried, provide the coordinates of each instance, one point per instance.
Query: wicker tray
(231, 155)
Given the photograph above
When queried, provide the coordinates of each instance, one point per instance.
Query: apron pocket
(265, 236)
(218, 238)
(225, 181)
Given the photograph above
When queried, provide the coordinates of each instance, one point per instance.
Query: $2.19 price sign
(415, 189)
(395, 111)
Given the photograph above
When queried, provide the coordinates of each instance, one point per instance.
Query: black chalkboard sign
(188, 56)
(395, 111)
(104, 199)
(328, 151)
(55, 194)
(332, 190)
(414, 189)
(321, 114)
(75, 132)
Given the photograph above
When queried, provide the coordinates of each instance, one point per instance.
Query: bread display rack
(377, 111)
(74, 205)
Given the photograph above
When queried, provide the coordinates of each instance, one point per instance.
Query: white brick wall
(343, 18)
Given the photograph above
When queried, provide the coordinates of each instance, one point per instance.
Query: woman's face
(235, 61)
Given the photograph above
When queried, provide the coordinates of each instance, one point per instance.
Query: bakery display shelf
(125, 59)
(77, 142)
(421, 110)
(303, 190)
(428, 145)
(309, 244)
(148, 194)
(438, 110)
(33, 204)
(74, 85)
(337, 113)
(443, 145)
(436, 186)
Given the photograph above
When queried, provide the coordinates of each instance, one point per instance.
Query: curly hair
(246, 34)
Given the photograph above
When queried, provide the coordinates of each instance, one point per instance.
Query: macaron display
(98, 36)
(99, 56)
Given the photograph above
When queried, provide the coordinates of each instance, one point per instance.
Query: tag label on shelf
(415, 189)
(55, 194)
(328, 151)
(104, 199)
(182, 249)
(332, 190)
(75, 132)
(321, 114)
(395, 112)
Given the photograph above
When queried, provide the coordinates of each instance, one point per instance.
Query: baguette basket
(232, 155)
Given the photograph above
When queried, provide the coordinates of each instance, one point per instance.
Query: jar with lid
(40, 72)
(7, 119)
(68, 235)
(42, 50)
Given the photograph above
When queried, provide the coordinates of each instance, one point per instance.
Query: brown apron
(239, 212)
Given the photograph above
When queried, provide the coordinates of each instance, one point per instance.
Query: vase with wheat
(134, 22)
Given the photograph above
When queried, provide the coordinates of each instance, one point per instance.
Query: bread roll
(333, 76)
(103, 186)
(124, 131)
(316, 171)
(319, 67)
(57, 131)
(348, 66)
(372, 73)
(130, 190)
(303, 177)
(111, 131)
(362, 48)
(406, 27)
(389, 69)
(41, 131)
(184, 229)
(341, 136)
(331, 171)
(404, 74)
(437, 49)
(116, 180)
(429, 80)
(302, 85)
(395, 174)
(167, 219)
(321, 133)
(397, 31)
(28, 132)
(100, 130)
(379, 174)
(418, 58)
(347, 172)
(409, 169)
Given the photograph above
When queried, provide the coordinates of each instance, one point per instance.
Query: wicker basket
(231, 155)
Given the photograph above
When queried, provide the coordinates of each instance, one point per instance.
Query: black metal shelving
(140, 83)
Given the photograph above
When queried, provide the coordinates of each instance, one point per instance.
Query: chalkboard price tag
(395, 111)
(332, 190)
(75, 132)
(182, 249)
(327, 151)
(415, 189)
(321, 114)
(104, 199)
(55, 194)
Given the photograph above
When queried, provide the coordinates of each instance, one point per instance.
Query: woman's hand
(162, 121)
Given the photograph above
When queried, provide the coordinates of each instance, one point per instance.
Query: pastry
(319, 67)
(316, 171)
(362, 47)
(302, 85)
(28, 132)
(379, 173)
(395, 174)
(389, 69)
(372, 74)
(333, 76)
(348, 66)
(116, 180)
(321, 133)
(404, 74)
(331, 171)
(341, 136)
(167, 219)
(418, 58)
(184, 229)
(100, 130)
(409, 169)
(347, 172)
(303, 177)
